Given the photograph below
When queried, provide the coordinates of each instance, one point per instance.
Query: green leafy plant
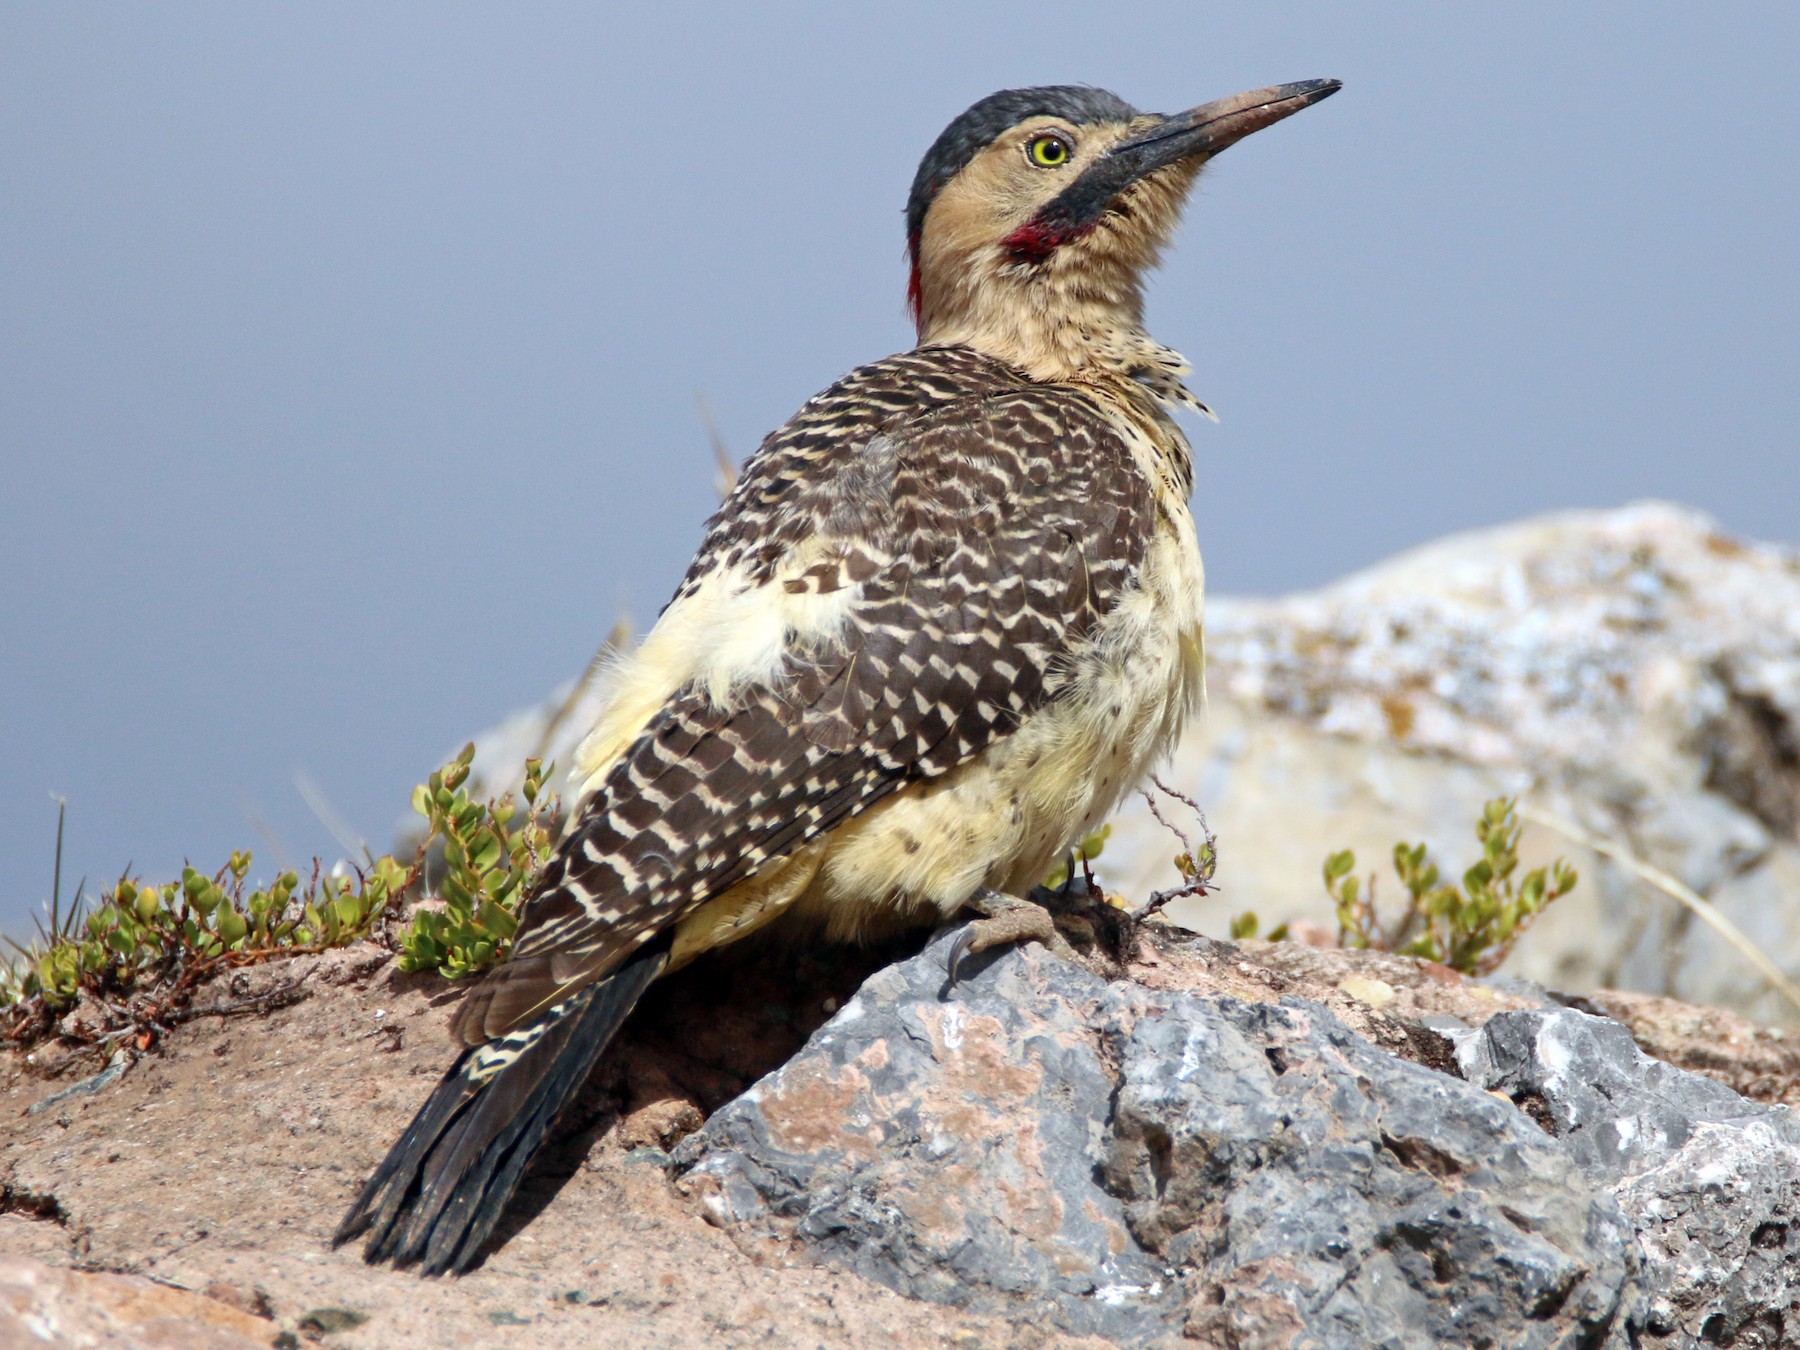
(141, 950)
(128, 965)
(55, 927)
(491, 854)
(1471, 927)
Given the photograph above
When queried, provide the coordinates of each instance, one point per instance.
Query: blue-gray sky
(349, 351)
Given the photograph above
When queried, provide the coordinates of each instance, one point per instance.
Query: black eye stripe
(992, 117)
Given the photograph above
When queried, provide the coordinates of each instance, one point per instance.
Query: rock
(1635, 671)
(1003, 1147)
(1293, 1168)
(945, 1147)
(222, 1163)
(1149, 1163)
(73, 1310)
(1710, 1180)
(1759, 1062)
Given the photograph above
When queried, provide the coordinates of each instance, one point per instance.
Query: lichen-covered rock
(1144, 1163)
(1634, 670)
(946, 1144)
(1283, 1163)
(1710, 1180)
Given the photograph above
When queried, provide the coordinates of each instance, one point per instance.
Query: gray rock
(1143, 1164)
(946, 1147)
(1280, 1159)
(1710, 1180)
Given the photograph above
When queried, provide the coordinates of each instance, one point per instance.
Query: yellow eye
(1048, 152)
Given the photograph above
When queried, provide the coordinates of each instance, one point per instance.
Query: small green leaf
(484, 851)
(232, 927)
(498, 920)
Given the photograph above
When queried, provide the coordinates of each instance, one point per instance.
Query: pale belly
(1004, 819)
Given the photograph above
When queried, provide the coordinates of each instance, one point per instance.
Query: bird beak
(1193, 136)
(1200, 133)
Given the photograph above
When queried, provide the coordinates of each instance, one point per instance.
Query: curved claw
(959, 949)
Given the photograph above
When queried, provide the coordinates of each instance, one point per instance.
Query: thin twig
(339, 828)
(114, 1070)
(1675, 889)
(1199, 882)
(1158, 899)
(725, 473)
(281, 996)
(1187, 845)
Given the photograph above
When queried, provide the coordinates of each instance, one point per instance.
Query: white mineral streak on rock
(1553, 1054)
(951, 1027)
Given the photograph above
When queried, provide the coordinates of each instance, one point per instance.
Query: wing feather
(984, 525)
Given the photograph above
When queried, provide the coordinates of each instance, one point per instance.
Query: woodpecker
(948, 616)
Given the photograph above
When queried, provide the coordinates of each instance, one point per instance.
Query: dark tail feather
(445, 1183)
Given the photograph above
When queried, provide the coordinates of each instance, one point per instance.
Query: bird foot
(1009, 920)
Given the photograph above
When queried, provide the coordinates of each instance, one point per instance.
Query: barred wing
(982, 538)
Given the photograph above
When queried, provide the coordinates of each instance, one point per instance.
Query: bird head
(1035, 214)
